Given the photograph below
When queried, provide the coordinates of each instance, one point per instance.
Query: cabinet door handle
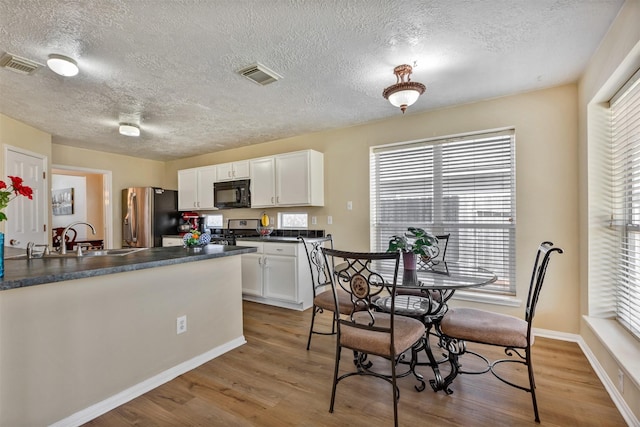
(271, 199)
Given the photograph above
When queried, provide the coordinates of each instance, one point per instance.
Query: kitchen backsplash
(296, 233)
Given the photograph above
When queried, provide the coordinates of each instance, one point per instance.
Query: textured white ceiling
(171, 64)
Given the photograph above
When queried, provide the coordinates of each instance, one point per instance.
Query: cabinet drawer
(280, 249)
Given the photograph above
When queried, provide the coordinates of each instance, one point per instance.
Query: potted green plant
(415, 242)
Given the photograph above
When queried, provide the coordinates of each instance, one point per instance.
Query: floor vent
(259, 74)
(17, 64)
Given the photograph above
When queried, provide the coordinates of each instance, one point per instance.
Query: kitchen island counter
(102, 330)
(22, 272)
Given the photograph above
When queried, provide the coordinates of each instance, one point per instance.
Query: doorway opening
(92, 201)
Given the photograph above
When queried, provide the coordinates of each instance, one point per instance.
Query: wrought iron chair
(57, 236)
(460, 325)
(443, 243)
(364, 330)
(321, 283)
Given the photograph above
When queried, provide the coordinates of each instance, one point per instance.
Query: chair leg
(335, 376)
(313, 319)
(396, 392)
(532, 385)
(414, 362)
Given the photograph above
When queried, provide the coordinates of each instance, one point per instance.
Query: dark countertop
(23, 272)
(277, 239)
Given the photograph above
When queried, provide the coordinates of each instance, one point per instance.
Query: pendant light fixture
(405, 92)
(62, 65)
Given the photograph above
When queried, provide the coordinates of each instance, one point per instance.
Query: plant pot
(409, 259)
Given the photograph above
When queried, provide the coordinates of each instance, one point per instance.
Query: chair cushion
(407, 332)
(325, 301)
(482, 326)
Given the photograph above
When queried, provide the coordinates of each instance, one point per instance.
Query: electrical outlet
(620, 380)
(329, 220)
(181, 324)
(314, 220)
(349, 205)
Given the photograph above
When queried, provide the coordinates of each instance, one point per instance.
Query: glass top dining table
(446, 275)
(423, 294)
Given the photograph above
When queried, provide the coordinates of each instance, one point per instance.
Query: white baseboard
(139, 389)
(271, 301)
(615, 395)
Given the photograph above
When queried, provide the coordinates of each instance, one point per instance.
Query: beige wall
(18, 134)
(617, 58)
(546, 146)
(95, 213)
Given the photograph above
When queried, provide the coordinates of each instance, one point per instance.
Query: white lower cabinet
(278, 274)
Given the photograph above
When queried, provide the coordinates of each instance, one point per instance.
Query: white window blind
(625, 137)
(460, 185)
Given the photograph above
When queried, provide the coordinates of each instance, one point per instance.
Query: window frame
(444, 183)
(281, 220)
(624, 115)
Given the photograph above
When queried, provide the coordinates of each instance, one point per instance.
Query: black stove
(235, 228)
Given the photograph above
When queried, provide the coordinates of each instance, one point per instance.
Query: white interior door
(27, 219)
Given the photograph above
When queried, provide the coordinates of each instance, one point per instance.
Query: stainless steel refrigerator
(148, 213)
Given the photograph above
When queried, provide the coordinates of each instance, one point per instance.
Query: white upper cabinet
(232, 171)
(291, 179)
(195, 188)
(300, 179)
(263, 182)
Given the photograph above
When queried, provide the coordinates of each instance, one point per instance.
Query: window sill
(622, 346)
(510, 301)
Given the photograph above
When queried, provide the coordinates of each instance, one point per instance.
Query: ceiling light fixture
(405, 92)
(62, 65)
(128, 129)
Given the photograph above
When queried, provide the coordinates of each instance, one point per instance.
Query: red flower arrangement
(14, 190)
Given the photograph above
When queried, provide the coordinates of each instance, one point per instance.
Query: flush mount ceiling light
(128, 129)
(405, 92)
(62, 65)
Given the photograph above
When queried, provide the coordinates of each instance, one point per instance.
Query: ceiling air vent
(17, 64)
(259, 74)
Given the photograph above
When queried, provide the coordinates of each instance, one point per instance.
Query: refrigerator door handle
(134, 216)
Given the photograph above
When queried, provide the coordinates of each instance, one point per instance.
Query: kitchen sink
(85, 253)
(112, 252)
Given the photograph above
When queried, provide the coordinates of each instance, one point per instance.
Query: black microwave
(232, 194)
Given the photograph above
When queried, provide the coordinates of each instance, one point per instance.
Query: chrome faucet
(63, 237)
(31, 254)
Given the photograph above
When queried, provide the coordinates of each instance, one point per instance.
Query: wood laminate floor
(274, 381)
